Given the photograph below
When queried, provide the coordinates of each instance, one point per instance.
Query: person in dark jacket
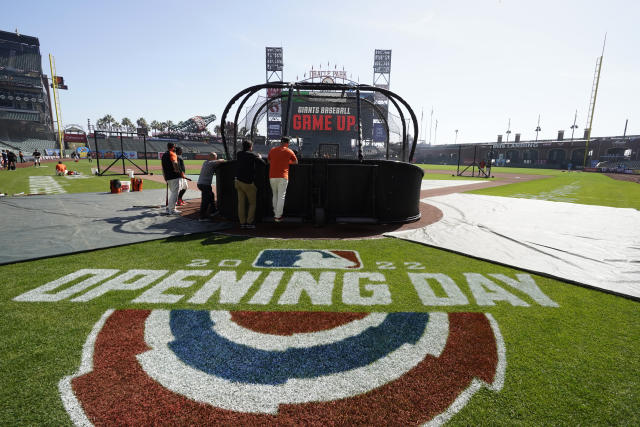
(245, 184)
(11, 159)
(173, 175)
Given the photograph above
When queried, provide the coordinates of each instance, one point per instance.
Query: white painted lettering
(41, 293)
(414, 266)
(485, 291)
(427, 295)
(268, 288)
(156, 294)
(198, 263)
(319, 291)
(385, 265)
(351, 289)
(527, 285)
(120, 283)
(230, 263)
(231, 289)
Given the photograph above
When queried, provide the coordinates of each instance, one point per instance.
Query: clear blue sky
(478, 63)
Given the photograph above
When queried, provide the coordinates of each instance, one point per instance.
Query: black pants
(208, 201)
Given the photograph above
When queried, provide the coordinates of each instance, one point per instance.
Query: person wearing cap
(279, 160)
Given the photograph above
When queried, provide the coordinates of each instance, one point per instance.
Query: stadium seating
(28, 145)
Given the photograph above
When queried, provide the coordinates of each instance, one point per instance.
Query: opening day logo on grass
(196, 366)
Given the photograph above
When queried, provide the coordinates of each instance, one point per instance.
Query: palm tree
(216, 129)
(169, 124)
(142, 123)
(155, 125)
(128, 124)
(108, 121)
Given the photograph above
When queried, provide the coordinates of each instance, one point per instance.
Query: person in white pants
(174, 177)
(279, 160)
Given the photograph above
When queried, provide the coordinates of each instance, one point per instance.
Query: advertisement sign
(315, 119)
(379, 132)
(274, 107)
(75, 137)
(83, 152)
(115, 154)
(274, 129)
(51, 151)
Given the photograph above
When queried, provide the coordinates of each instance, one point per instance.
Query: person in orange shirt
(61, 169)
(279, 160)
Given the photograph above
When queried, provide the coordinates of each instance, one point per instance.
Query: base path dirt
(624, 177)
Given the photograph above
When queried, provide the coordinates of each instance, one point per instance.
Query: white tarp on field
(432, 184)
(596, 246)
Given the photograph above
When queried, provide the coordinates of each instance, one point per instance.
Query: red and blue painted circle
(188, 366)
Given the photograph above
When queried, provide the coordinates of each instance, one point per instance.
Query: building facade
(25, 110)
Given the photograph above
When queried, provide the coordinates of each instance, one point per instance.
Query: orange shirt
(279, 160)
(61, 167)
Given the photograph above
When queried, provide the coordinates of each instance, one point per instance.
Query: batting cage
(475, 160)
(120, 153)
(354, 156)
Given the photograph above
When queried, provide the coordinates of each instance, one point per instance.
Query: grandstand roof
(18, 115)
(19, 38)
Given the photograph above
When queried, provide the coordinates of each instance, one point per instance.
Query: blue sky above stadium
(476, 63)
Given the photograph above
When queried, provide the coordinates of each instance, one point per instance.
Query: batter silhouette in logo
(308, 259)
(197, 367)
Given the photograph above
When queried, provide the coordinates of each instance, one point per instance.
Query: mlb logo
(308, 258)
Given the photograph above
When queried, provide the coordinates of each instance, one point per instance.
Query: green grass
(574, 187)
(516, 171)
(575, 364)
(15, 182)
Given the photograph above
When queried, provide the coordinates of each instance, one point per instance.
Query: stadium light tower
(274, 73)
(574, 126)
(538, 129)
(456, 140)
(508, 130)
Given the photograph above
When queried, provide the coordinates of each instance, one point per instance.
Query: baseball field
(229, 328)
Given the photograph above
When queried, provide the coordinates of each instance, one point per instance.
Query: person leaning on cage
(173, 176)
(245, 184)
(279, 160)
(208, 200)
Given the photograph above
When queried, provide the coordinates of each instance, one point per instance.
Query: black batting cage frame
(122, 157)
(297, 87)
(480, 164)
(327, 187)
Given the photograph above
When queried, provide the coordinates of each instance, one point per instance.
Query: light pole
(574, 126)
(431, 125)
(508, 130)
(435, 134)
(456, 140)
(538, 127)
